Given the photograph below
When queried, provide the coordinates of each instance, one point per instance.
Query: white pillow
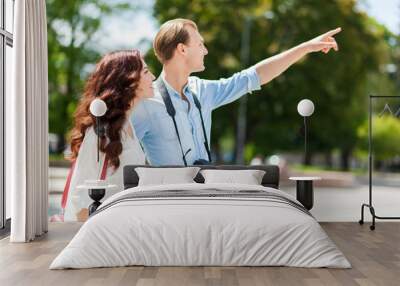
(166, 176)
(248, 177)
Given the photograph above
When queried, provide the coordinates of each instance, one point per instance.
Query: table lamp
(98, 108)
(305, 108)
(97, 188)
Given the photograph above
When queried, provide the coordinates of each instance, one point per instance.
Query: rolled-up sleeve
(215, 93)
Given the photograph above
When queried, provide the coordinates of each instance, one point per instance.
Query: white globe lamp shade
(98, 107)
(305, 107)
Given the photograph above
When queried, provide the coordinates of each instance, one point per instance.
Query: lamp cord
(98, 138)
(305, 138)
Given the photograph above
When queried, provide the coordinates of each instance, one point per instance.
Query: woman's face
(145, 88)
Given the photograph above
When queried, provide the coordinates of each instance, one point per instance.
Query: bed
(201, 224)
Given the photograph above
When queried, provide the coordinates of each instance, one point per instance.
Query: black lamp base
(305, 193)
(96, 195)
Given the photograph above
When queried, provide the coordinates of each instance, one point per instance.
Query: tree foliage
(338, 83)
(71, 26)
(385, 137)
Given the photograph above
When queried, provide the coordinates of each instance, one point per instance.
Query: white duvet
(200, 231)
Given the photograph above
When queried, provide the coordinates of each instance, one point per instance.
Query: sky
(128, 29)
(385, 11)
(138, 28)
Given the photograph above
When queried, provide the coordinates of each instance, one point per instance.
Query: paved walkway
(344, 204)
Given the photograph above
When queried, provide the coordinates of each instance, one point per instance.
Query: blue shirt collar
(171, 90)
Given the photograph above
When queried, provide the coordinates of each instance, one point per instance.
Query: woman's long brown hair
(115, 80)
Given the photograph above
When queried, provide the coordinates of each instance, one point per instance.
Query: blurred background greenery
(338, 83)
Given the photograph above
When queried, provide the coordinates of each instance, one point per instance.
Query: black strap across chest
(172, 112)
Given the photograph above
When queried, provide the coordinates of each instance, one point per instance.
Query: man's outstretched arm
(272, 67)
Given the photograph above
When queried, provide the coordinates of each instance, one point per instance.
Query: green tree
(385, 137)
(337, 83)
(71, 26)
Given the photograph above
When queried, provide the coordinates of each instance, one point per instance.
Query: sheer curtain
(27, 123)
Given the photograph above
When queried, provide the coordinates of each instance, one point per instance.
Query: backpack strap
(69, 177)
(103, 174)
(67, 184)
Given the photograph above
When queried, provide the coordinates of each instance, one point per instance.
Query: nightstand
(304, 190)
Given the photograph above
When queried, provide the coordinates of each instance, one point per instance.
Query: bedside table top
(95, 187)
(305, 178)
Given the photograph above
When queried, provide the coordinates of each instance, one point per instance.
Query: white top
(305, 178)
(87, 168)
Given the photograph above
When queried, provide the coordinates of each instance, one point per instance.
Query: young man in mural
(174, 126)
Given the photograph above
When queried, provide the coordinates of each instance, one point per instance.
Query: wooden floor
(374, 255)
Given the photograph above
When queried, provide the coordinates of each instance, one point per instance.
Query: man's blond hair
(171, 34)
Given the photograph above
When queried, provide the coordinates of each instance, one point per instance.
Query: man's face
(196, 51)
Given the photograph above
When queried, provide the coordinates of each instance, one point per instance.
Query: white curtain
(27, 123)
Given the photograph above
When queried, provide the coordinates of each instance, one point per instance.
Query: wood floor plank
(374, 255)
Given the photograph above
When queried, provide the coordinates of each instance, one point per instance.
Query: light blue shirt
(155, 128)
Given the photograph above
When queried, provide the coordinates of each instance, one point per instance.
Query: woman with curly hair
(121, 79)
